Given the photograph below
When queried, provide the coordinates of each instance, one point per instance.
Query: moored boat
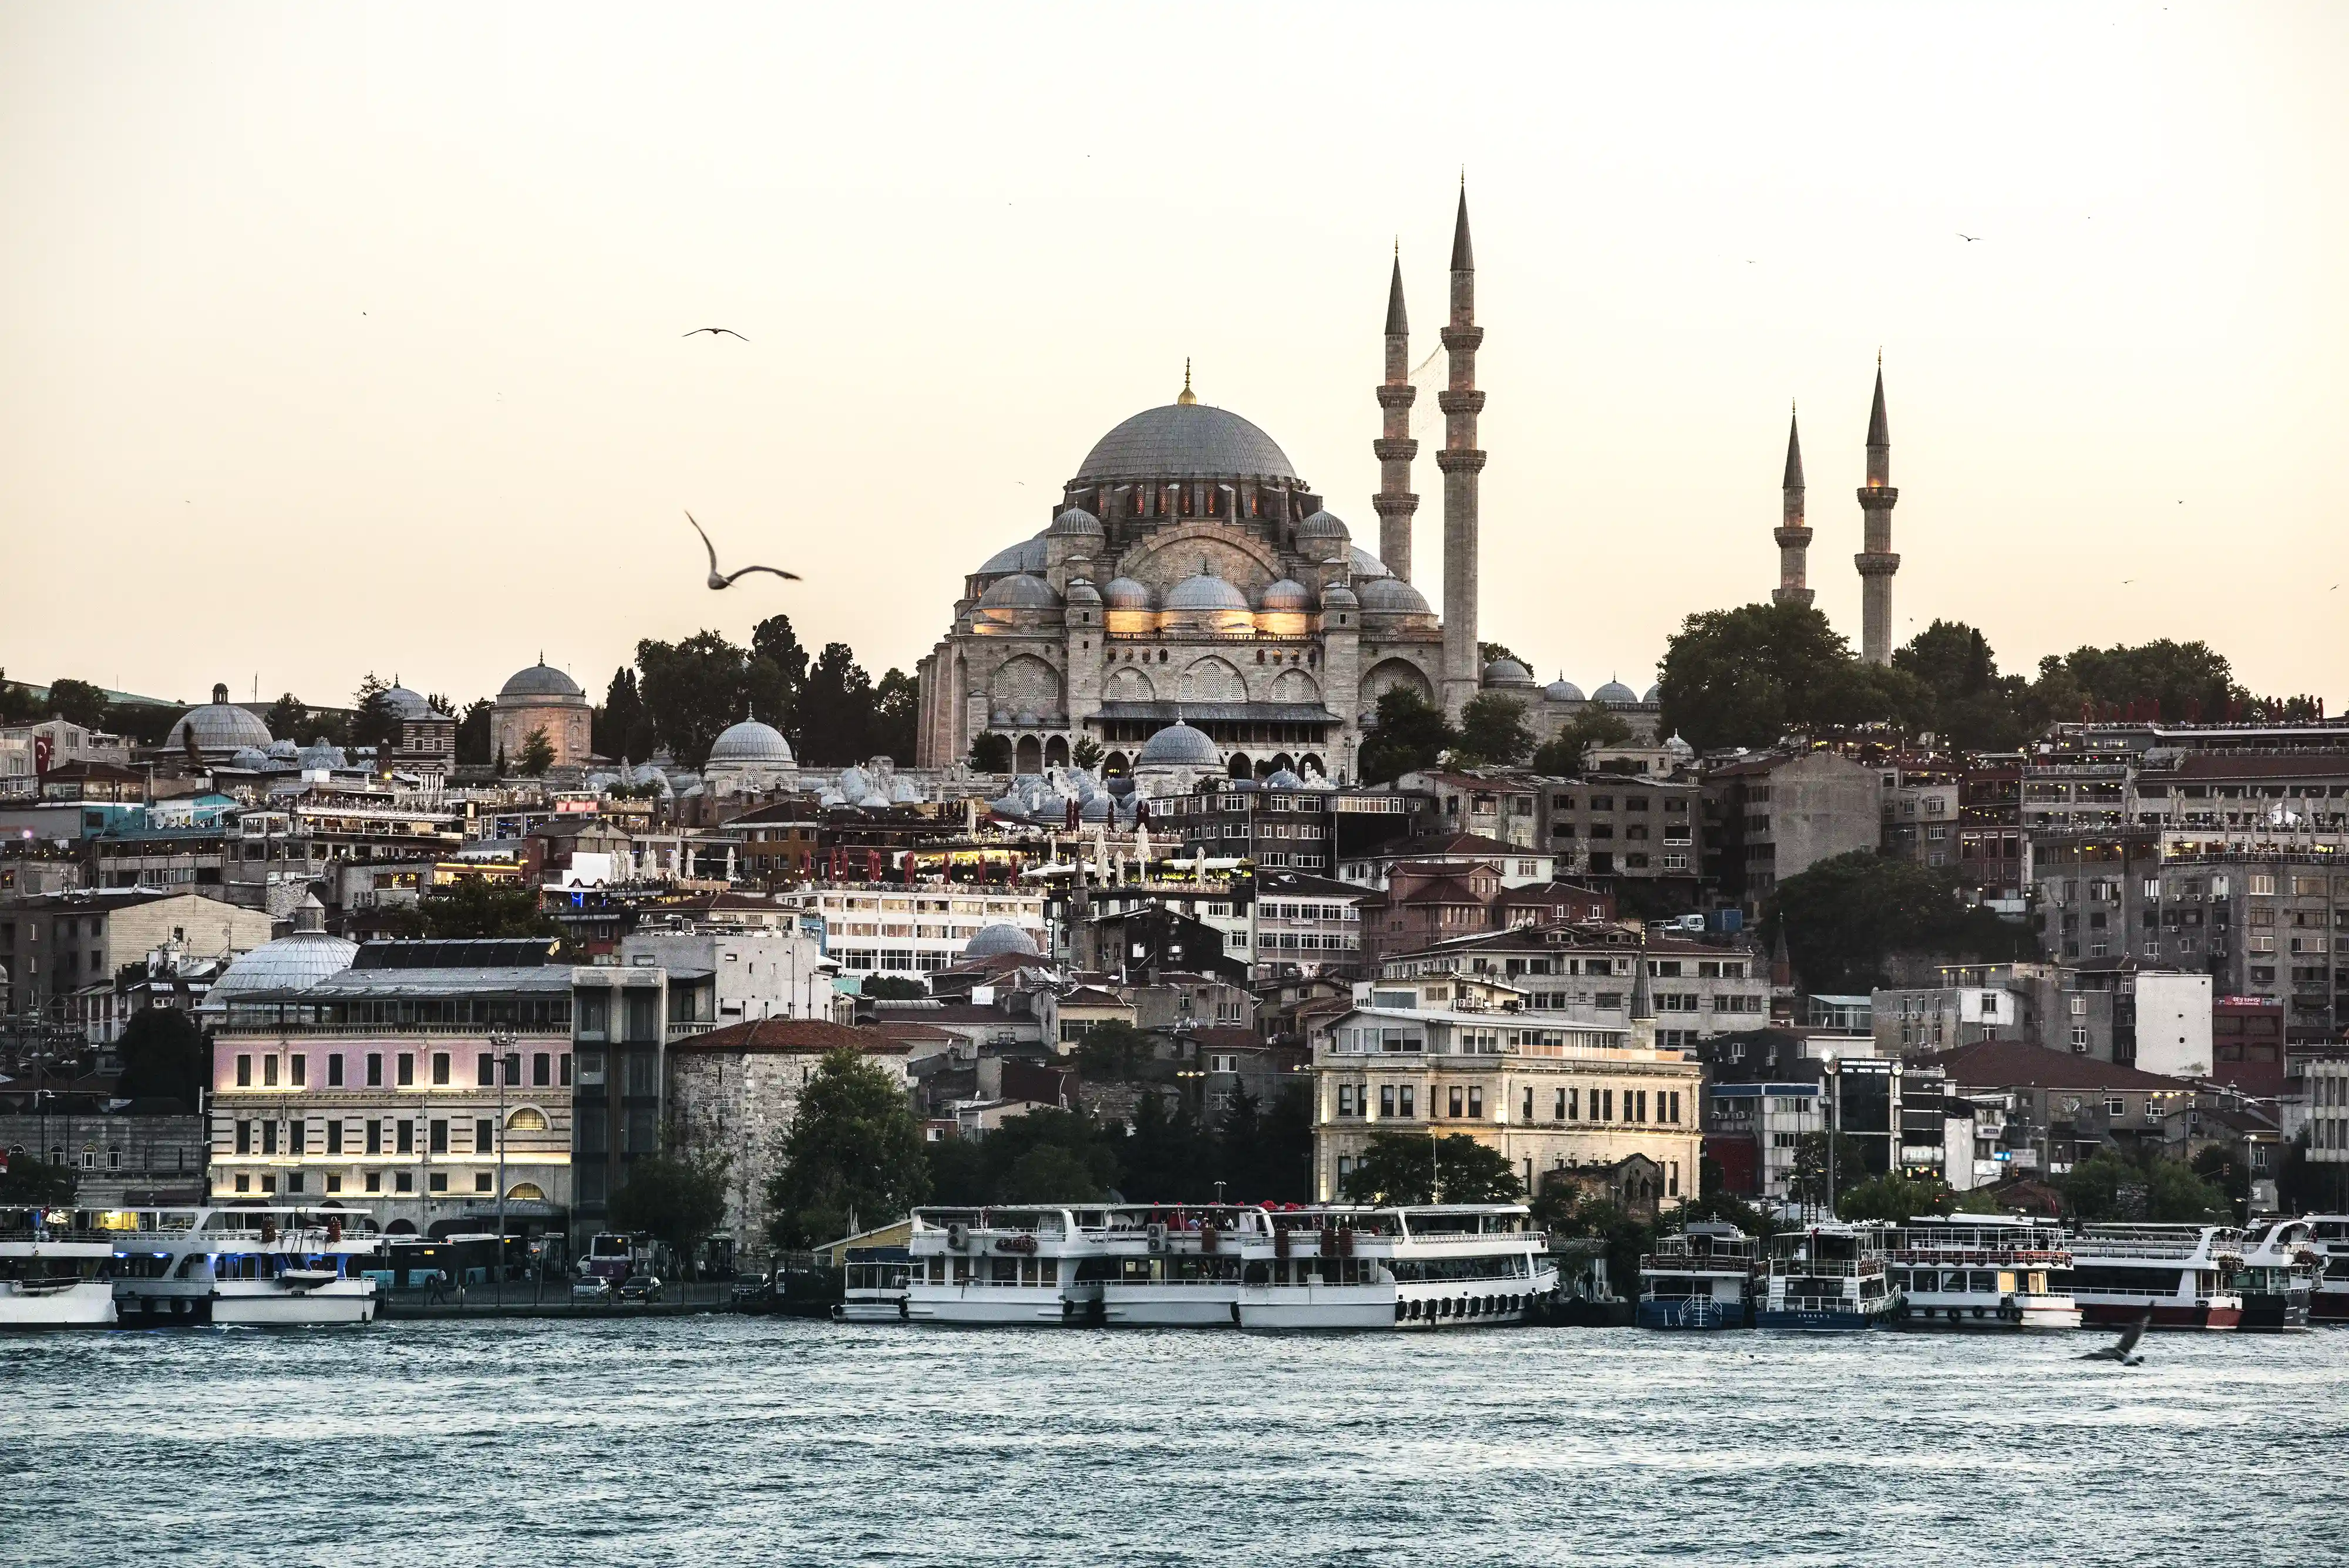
(254, 1266)
(1428, 1266)
(2328, 1300)
(2278, 1279)
(1982, 1272)
(53, 1271)
(874, 1285)
(1828, 1278)
(2175, 1276)
(1701, 1277)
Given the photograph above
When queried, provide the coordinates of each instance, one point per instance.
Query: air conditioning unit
(1157, 1234)
(958, 1237)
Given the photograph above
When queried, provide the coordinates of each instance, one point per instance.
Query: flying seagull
(1970, 238)
(726, 580)
(714, 331)
(2124, 1349)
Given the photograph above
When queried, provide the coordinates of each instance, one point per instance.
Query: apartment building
(1624, 825)
(1586, 972)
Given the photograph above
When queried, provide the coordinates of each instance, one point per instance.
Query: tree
(1562, 755)
(1811, 1166)
(2183, 680)
(373, 720)
(165, 1056)
(678, 1197)
(1846, 916)
(897, 710)
(31, 1181)
(623, 726)
(1493, 731)
(836, 709)
(892, 988)
(1409, 733)
(287, 718)
(1114, 1052)
(2111, 1185)
(1749, 676)
(1486, 652)
(79, 702)
(852, 1149)
(1086, 753)
(18, 705)
(1401, 1168)
(694, 690)
(473, 908)
(473, 734)
(990, 753)
(1564, 1210)
(779, 667)
(1164, 1157)
(537, 754)
(1264, 1153)
(1051, 1173)
(1895, 1198)
(1973, 707)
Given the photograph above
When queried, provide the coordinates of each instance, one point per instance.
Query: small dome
(219, 726)
(1124, 593)
(875, 801)
(1019, 592)
(1322, 524)
(1027, 555)
(1099, 807)
(1204, 592)
(751, 742)
(1285, 595)
(1000, 938)
(1081, 592)
(285, 750)
(1281, 778)
(1507, 672)
(1075, 523)
(249, 757)
(1339, 596)
(1563, 690)
(1028, 719)
(1655, 694)
(1366, 564)
(540, 682)
(319, 754)
(1616, 693)
(1393, 596)
(289, 963)
(402, 703)
(1178, 745)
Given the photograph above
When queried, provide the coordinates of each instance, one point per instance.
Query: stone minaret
(1793, 538)
(1461, 461)
(1876, 560)
(1394, 503)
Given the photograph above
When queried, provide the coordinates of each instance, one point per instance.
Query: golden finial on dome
(1185, 398)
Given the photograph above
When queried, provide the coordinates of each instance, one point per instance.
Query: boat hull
(2329, 1306)
(1965, 1316)
(2273, 1311)
(1822, 1322)
(1690, 1312)
(2222, 1316)
(891, 1310)
(85, 1303)
(352, 1302)
(1171, 1307)
(1011, 1306)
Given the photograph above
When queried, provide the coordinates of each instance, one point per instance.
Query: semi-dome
(1185, 440)
(1075, 523)
(1287, 594)
(1366, 564)
(1322, 524)
(540, 683)
(1027, 555)
(1563, 690)
(402, 703)
(1019, 591)
(1000, 938)
(1615, 692)
(1393, 596)
(218, 726)
(1507, 672)
(1204, 592)
(751, 742)
(1124, 593)
(1178, 745)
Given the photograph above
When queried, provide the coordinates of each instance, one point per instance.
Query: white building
(914, 932)
(738, 976)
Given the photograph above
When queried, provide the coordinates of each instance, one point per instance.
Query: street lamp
(1835, 1122)
(498, 1043)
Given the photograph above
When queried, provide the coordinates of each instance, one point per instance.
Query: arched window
(527, 1119)
(526, 1192)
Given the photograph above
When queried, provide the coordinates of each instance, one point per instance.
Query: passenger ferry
(256, 1266)
(2278, 1279)
(1829, 1277)
(1704, 1277)
(1982, 1271)
(1185, 1272)
(1429, 1266)
(2329, 1237)
(874, 1285)
(2181, 1276)
(53, 1271)
(1029, 1264)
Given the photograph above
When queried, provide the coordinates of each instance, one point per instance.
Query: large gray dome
(751, 742)
(1563, 690)
(1507, 672)
(1178, 745)
(542, 680)
(1027, 555)
(1615, 693)
(1076, 522)
(1000, 938)
(402, 703)
(1204, 592)
(218, 726)
(1394, 596)
(1185, 440)
(1287, 594)
(1019, 591)
(1124, 593)
(289, 963)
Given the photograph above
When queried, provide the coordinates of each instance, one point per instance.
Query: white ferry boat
(254, 1266)
(1446, 1265)
(1703, 1277)
(1028, 1265)
(53, 1271)
(2179, 1276)
(2328, 1299)
(2278, 1279)
(874, 1285)
(1829, 1277)
(1982, 1270)
(1176, 1265)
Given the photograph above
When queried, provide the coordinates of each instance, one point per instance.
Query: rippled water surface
(725, 1439)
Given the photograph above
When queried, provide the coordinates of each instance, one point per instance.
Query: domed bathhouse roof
(1000, 938)
(1074, 523)
(1394, 596)
(749, 741)
(286, 751)
(1563, 690)
(1287, 594)
(1027, 555)
(1178, 745)
(1099, 807)
(1124, 593)
(318, 753)
(1204, 592)
(1507, 672)
(251, 757)
(1281, 778)
(541, 683)
(1019, 592)
(1615, 692)
(1185, 440)
(218, 726)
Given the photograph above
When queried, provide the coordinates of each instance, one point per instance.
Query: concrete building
(55, 945)
(2108, 1008)
(914, 932)
(1651, 830)
(1776, 815)
(1308, 924)
(1587, 973)
(541, 697)
(720, 978)
(1512, 866)
(1922, 811)
(1279, 824)
(2327, 1080)
(1502, 808)
(619, 1016)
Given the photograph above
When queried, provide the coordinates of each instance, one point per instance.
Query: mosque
(1194, 603)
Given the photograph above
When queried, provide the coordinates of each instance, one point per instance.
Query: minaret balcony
(1394, 449)
(1879, 497)
(1465, 402)
(1876, 566)
(1459, 460)
(1792, 538)
(1394, 503)
(1397, 395)
(1460, 339)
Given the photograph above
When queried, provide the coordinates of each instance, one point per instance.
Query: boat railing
(1679, 1253)
(52, 1234)
(1826, 1267)
(2186, 1251)
(1669, 1263)
(1984, 1258)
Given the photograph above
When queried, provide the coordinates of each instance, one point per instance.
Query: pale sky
(347, 337)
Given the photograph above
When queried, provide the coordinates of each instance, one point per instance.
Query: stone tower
(1394, 503)
(1461, 461)
(1793, 538)
(1876, 560)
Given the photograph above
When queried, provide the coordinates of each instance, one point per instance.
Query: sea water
(730, 1440)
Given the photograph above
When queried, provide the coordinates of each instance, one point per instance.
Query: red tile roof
(788, 1036)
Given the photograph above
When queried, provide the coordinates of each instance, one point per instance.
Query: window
(406, 1069)
(244, 1138)
(441, 1068)
(1476, 1100)
(297, 1071)
(375, 1070)
(1409, 1101)
(1455, 1097)
(404, 1138)
(334, 1071)
(1530, 1103)
(439, 1181)
(244, 1072)
(1345, 1099)
(335, 1130)
(375, 1137)
(485, 1075)
(2079, 1038)
(481, 1182)
(485, 1135)
(1386, 1102)
(542, 1070)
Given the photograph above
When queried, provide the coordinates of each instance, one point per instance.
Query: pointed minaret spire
(1394, 503)
(1793, 537)
(1186, 397)
(1875, 561)
(1461, 461)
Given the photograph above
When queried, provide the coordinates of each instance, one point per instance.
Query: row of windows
(372, 1181)
(546, 1068)
(379, 1135)
(1466, 1102)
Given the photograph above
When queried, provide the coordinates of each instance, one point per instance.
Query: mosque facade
(1191, 578)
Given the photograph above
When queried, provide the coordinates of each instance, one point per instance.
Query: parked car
(592, 1288)
(641, 1288)
(752, 1289)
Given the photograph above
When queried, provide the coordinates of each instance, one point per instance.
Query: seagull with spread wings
(2124, 1349)
(726, 579)
(714, 331)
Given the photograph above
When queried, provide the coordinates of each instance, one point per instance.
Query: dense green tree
(1486, 652)
(1895, 1197)
(1408, 734)
(1402, 1167)
(1564, 1210)
(28, 1179)
(165, 1056)
(17, 704)
(1112, 1052)
(896, 712)
(1051, 1173)
(1166, 1156)
(1811, 1166)
(79, 702)
(473, 907)
(2112, 1185)
(1562, 755)
(694, 690)
(1845, 917)
(1264, 1153)
(1974, 708)
(1086, 753)
(373, 720)
(678, 1197)
(853, 1148)
(288, 718)
(537, 755)
(473, 734)
(836, 709)
(779, 667)
(993, 1168)
(2183, 679)
(892, 988)
(623, 726)
(1493, 731)
(990, 753)
(1744, 677)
